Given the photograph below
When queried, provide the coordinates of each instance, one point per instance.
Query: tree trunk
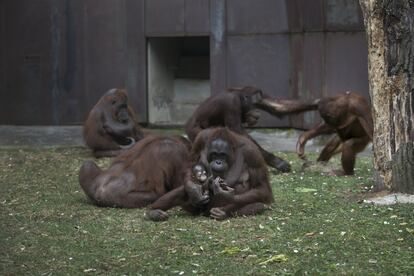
(389, 26)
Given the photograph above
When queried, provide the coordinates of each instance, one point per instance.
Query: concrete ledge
(40, 136)
(69, 136)
(391, 199)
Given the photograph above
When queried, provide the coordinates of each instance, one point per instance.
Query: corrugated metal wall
(58, 57)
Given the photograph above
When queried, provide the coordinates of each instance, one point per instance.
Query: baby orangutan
(197, 189)
(205, 189)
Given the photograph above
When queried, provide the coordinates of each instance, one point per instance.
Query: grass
(48, 227)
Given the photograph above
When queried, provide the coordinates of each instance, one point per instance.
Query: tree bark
(389, 26)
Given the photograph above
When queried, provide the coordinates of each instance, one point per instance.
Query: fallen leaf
(305, 190)
(275, 259)
(310, 234)
(234, 250)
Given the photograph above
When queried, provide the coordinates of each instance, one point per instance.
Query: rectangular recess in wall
(178, 77)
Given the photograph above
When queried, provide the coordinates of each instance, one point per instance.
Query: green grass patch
(314, 227)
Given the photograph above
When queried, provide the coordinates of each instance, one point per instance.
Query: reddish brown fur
(348, 115)
(139, 176)
(247, 175)
(232, 109)
(283, 107)
(97, 131)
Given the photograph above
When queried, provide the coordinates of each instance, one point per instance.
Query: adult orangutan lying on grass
(139, 176)
(238, 182)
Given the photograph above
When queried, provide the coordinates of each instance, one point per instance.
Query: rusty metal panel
(99, 63)
(256, 16)
(3, 67)
(73, 105)
(218, 73)
(305, 15)
(313, 74)
(346, 63)
(58, 57)
(313, 68)
(105, 55)
(197, 16)
(296, 69)
(93, 63)
(136, 79)
(306, 74)
(27, 98)
(296, 74)
(294, 13)
(164, 17)
(262, 61)
(313, 14)
(343, 15)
